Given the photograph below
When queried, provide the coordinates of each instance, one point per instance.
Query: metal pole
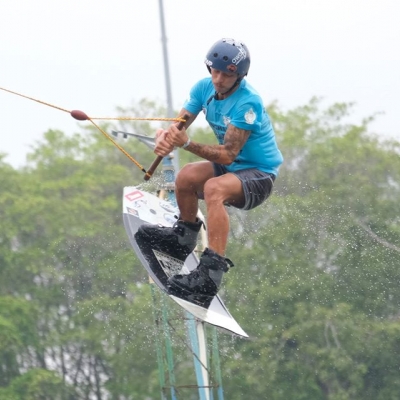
(217, 364)
(170, 110)
(170, 357)
(196, 330)
(166, 64)
(160, 361)
(191, 323)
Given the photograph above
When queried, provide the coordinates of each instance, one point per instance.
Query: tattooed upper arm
(226, 154)
(234, 140)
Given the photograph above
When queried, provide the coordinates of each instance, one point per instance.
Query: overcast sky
(95, 55)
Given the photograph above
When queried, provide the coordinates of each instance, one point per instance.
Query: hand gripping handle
(157, 161)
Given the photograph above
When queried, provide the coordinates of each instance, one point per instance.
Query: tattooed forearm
(212, 153)
(235, 139)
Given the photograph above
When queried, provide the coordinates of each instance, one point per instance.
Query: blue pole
(194, 340)
(169, 178)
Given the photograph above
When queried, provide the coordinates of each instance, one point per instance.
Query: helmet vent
(225, 58)
(215, 55)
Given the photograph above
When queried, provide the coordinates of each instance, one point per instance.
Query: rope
(31, 98)
(118, 146)
(140, 119)
(81, 116)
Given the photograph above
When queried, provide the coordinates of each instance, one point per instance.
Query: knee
(195, 174)
(186, 176)
(213, 191)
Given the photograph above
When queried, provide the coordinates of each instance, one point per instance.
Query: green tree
(317, 277)
(69, 256)
(315, 281)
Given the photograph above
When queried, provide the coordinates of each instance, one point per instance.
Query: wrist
(185, 145)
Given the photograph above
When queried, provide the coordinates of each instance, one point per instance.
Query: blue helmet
(229, 55)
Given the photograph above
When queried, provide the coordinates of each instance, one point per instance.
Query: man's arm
(234, 140)
(166, 140)
(191, 118)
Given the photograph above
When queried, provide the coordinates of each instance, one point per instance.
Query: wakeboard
(140, 207)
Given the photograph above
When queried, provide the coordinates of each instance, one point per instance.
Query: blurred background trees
(315, 281)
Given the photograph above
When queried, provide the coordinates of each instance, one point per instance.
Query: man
(239, 170)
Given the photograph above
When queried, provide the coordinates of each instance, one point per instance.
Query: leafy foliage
(315, 282)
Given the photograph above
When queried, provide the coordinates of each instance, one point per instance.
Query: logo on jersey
(250, 116)
(226, 120)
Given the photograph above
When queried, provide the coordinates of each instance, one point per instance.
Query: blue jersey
(243, 109)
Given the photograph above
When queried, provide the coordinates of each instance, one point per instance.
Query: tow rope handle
(158, 160)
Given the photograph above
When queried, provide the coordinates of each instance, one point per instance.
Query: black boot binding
(177, 241)
(202, 284)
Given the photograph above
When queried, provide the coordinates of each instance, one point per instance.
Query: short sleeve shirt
(243, 109)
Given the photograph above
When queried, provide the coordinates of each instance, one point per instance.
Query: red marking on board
(135, 195)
